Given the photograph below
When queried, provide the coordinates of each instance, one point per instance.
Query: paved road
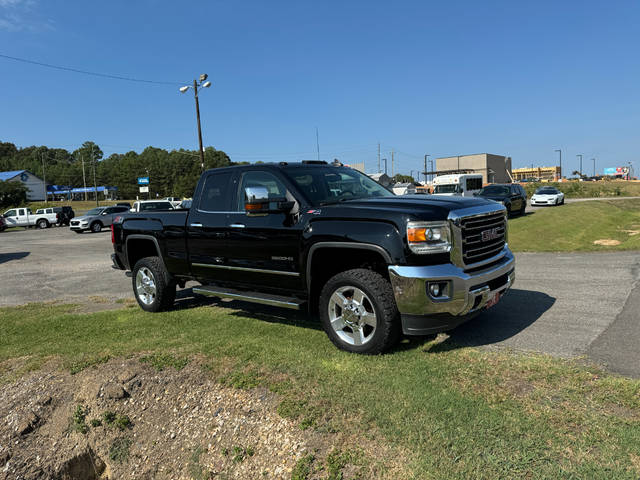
(562, 304)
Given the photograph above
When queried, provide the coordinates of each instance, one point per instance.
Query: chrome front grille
(483, 236)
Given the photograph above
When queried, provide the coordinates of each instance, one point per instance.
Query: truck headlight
(429, 237)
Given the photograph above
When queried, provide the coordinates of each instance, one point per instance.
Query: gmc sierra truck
(328, 238)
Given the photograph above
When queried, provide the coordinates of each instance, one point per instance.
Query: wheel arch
(140, 246)
(326, 259)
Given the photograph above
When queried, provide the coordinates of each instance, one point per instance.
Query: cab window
(10, 213)
(274, 186)
(474, 183)
(216, 193)
(21, 212)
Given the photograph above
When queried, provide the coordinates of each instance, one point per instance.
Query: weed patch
(119, 450)
(160, 361)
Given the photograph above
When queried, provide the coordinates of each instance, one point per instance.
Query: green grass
(575, 189)
(575, 226)
(452, 412)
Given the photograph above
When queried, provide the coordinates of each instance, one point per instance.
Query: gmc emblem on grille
(491, 234)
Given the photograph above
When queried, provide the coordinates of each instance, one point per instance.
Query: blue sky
(445, 78)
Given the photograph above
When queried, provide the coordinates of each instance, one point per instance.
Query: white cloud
(22, 15)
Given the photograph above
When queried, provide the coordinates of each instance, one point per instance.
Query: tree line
(172, 173)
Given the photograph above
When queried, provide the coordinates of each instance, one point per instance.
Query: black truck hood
(419, 207)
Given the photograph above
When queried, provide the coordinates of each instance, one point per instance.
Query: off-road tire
(523, 210)
(165, 286)
(96, 227)
(380, 293)
(42, 224)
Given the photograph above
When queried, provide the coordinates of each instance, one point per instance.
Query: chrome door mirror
(256, 200)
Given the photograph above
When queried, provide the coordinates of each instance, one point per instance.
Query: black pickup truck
(327, 238)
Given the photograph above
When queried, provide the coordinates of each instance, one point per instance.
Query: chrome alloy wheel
(145, 286)
(352, 316)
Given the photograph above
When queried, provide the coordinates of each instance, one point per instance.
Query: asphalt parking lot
(567, 304)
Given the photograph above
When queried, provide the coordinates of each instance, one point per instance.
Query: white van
(462, 185)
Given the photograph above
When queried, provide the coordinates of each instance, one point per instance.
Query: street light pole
(44, 180)
(425, 168)
(196, 84)
(560, 152)
(580, 155)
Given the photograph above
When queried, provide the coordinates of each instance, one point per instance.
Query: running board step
(253, 297)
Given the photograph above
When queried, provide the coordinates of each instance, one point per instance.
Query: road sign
(143, 180)
(144, 189)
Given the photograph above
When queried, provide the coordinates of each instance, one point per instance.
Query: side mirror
(256, 200)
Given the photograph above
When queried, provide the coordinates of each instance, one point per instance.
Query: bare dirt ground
(126, 419)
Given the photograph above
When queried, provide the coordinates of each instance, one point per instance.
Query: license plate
(493, 300)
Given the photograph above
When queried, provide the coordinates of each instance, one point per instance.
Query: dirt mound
(125, 419)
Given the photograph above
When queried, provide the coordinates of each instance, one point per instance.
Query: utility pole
(580, 155)
(385, 165)
(560, 152)
(431, 168)
(44, 179)
(95, 185)
(378, 157)
(84, 178)
(392, 163)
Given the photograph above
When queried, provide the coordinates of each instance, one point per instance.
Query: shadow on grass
(7, 257)
(516, 311)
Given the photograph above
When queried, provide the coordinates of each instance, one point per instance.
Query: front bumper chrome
(466, 293)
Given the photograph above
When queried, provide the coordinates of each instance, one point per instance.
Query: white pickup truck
(24, 217)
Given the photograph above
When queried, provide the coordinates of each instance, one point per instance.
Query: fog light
(434, 289)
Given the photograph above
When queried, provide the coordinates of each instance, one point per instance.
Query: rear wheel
(42, 223)
(359, 313)
(523, 209)
(153, 287)
(96, 227)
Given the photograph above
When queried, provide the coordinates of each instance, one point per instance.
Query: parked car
(185, 204)
(144, 205)
(175, 201)
(64, 215)
(24, 217)
(95, 220)
(547, 196)
(511, 195)
(328, 238)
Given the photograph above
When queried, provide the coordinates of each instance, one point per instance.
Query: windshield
(546, 191)
(156, 206)
(451, 188)
(95, 211)
(325, 185)
(494, 190)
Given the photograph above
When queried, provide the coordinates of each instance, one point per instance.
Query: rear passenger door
(207, 223)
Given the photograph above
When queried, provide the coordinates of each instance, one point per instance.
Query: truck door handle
(237, 225)
(198, 225)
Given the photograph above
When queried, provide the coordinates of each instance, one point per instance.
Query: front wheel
(153, 287)
(42, 223)
(96, 227)
(359, 312)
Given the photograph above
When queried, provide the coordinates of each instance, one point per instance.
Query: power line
(86, 72)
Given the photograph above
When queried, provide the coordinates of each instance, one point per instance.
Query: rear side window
(216, 193)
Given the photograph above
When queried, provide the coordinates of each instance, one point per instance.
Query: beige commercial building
(494, 168)
(547, 174)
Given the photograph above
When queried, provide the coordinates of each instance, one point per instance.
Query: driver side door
(264, 249)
